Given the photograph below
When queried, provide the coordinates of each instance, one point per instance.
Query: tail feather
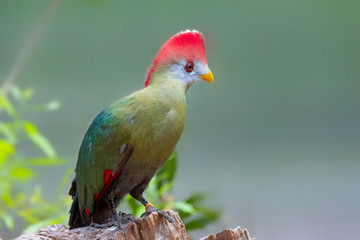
(76, 220)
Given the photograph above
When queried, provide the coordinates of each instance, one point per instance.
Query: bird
(131, 139)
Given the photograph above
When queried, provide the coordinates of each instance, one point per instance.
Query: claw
(114, 221)
(151, 209)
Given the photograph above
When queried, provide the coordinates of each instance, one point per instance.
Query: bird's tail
(76, 220)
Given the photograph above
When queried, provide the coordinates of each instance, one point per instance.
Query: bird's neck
(164, 80)
(167, 91)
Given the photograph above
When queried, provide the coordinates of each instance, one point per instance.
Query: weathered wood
(152, 227)
(237, 233)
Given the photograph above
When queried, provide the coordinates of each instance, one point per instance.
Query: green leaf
(6, 198)
(19, 199)
(185, 215)
(27, 93)
(45, 161)
(16, 93)
(30, 128)
(185, 207)
(28, 215)
(171, 166)
(167, 173)
(5, 186)
(196, 198)
(206, 216)
(66, 179)
(6, 149)
(196, 224)
(39, 140)
(6, 105)
(34, 228)
(37, 197)
(134, 206)
(164, 188)
(21, 174)
(8, 133)
(151, 191)
(8, 220)
(210, 213)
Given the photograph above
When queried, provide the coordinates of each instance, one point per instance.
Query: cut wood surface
(237, 233)
(151, 227)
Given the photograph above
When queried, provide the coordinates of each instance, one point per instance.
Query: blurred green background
(275, 140)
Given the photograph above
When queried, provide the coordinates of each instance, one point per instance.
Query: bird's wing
(102, 154)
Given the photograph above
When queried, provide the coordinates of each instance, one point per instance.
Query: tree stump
(150, 227)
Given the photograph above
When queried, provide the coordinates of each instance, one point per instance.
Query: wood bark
(154, 227)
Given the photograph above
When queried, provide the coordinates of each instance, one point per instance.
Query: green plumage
(131, 139)
(150, 120)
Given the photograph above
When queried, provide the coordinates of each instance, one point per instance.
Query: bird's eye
(189, 67)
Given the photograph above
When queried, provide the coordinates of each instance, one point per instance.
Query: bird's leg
(149, 207)
(115, 219)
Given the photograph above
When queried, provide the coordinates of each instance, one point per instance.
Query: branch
(153, 226)
(30, 45)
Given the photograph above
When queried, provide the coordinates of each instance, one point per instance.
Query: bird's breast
(157, 129)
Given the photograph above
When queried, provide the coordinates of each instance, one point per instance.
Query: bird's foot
(116, 220)
(150, 208)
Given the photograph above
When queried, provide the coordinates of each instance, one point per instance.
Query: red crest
(188, 45)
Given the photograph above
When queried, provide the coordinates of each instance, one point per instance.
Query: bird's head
(182, 58)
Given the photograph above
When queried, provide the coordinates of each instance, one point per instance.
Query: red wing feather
(108, 179)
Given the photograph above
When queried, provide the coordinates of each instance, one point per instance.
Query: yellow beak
(209, 77)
